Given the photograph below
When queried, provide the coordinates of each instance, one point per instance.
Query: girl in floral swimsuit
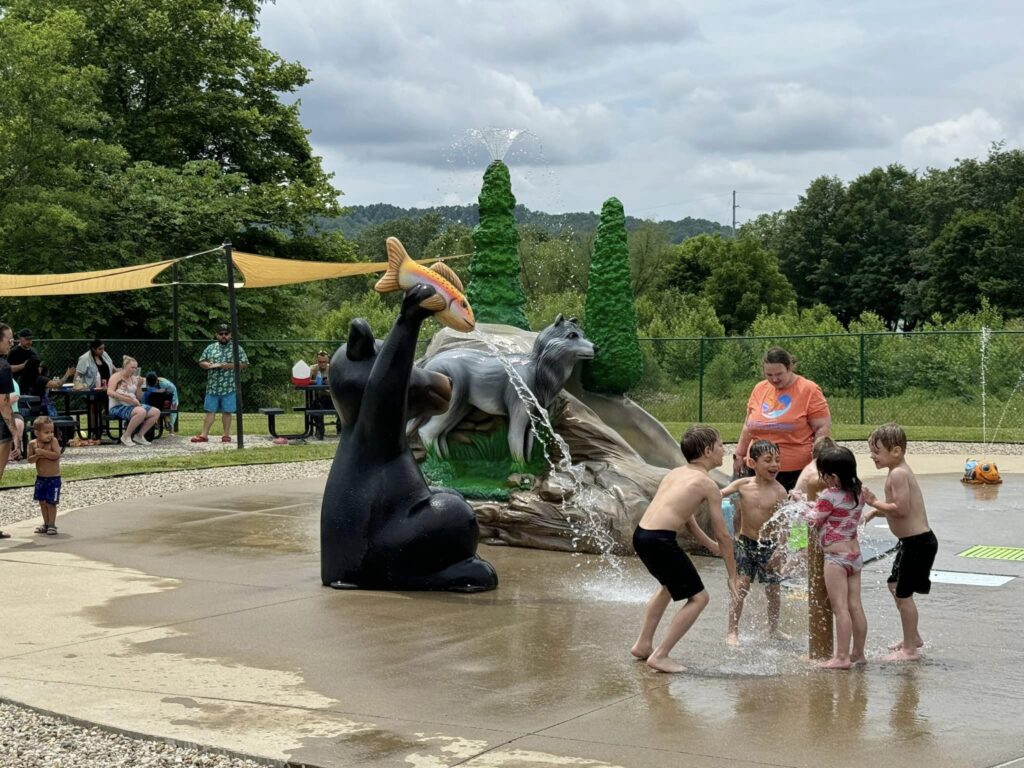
(836, 514)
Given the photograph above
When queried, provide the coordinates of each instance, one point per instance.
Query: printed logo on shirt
(774, 408)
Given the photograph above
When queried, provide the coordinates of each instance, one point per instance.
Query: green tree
(494, 289)
(610, 313)
(155, 129)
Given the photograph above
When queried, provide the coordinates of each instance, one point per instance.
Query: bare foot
(665, 664)
(834, 663)
(732, 639)
(858, 661)
(903, 655)
(778, 634)
(641, 651)
(899, 644)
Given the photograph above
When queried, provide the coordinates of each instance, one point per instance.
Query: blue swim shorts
(220, 403)
(48, 490)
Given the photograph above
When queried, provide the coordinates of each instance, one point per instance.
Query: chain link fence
(937, 379)
(921, 379)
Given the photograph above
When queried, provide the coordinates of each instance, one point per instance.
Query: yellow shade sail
(258, 272)
(267, 271)
(101, 281)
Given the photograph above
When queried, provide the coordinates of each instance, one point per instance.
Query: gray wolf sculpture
(381, 526)
(479, 380)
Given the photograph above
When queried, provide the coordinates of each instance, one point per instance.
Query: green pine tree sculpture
(610, 313)
(495, 291)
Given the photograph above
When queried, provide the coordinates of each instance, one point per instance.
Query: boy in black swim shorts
(904, 510)
(680, 494)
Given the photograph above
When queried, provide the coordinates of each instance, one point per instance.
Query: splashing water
(986, 334)
(496, 140)
(585, 525)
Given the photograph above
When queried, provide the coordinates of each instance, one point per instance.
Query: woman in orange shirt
(787, 409)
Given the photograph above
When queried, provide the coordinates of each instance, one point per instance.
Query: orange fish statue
(449, 305)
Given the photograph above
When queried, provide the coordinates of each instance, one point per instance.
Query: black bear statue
(381, 526)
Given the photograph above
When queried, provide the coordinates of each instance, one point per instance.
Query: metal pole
(234, 342)
(174, 313)
(862, 378)
(700, 383)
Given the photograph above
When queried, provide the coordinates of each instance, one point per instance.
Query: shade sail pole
(174, 313)
(232, 302)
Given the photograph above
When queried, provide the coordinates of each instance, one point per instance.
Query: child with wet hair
(903, 509)
(760, 547)
(836, 516)
(809, 485)
(679, 495)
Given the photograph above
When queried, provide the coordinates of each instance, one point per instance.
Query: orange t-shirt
(783, 416)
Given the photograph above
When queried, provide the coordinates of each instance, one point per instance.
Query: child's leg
(680, 624)
(857, 617)
(50, 513)
(836, 586)
(652, 615)
(732, 637)
(911, 637)
(773, 594)
(918, 642)
(42, 511)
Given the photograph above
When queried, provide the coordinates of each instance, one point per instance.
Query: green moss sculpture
(495, 291)
(610, 313)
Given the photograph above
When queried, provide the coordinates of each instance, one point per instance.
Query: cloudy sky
(668, 106)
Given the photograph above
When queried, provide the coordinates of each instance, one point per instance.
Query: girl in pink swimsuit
(836, 514)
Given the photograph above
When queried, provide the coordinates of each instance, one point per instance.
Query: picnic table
(313, 415)
(95, 409)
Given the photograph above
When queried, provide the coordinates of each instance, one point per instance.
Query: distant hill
(360, 217)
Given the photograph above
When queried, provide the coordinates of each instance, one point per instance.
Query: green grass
(22, 477)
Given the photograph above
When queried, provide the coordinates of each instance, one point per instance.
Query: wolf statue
(381, 526)
(479, 380)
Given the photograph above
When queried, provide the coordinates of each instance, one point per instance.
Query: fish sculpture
(449, 305)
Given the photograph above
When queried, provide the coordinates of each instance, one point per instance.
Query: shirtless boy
(44, 452)
(903, 509)
(680, 494)
(758, 548)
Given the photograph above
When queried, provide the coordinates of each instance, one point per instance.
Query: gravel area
(29, 739)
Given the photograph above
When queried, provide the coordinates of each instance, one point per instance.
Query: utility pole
(734, 207)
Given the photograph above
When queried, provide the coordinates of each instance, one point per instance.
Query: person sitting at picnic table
(93, 371)
(40, 384)
(155, 384)
(123, 389)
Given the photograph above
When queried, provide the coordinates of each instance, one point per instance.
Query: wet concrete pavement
(199, 617)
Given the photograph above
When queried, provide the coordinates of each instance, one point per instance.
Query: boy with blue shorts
(44, 452)
(218, 360)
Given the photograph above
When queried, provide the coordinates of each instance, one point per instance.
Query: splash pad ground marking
(970, 579)
(1015, 554)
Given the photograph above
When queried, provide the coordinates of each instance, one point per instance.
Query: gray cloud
(665, 105)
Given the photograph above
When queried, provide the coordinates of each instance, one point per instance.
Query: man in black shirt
(8, 446)
(20, 355)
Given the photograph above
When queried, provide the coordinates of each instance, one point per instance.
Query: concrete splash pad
(199, 617)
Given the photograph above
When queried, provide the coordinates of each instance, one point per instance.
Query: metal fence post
(700, 383)
(862, 378)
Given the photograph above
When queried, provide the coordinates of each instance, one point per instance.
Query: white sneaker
(140, 440)
(126, 441)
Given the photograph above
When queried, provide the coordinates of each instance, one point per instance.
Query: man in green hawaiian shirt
(218, 358)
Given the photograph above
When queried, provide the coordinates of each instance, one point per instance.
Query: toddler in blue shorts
(44, 452)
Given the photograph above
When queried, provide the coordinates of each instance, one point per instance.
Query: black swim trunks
(752, 559)
(912, 568)
(667, 562)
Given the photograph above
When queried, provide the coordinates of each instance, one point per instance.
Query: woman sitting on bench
(123, 390)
